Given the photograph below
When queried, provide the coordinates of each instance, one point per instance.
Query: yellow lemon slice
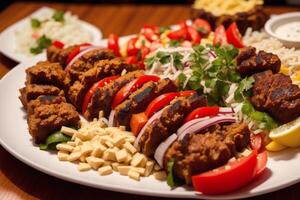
(274, 146)
(287, 134)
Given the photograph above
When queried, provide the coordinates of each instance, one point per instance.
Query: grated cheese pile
(106, 149)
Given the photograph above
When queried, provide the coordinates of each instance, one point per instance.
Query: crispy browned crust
(101, 69)
(212, 148)
(55, 54)
(254, 18)
(47, 114)
(102, 98)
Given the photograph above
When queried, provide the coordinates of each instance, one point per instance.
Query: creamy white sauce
(289, 31)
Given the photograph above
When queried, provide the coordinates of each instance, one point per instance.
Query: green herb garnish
(42, 43)
(163, 29)
(54, 139)
(58, 16)
(174, 43)
(243, 89)
(35, 23)
(164, 58)
(172, 179)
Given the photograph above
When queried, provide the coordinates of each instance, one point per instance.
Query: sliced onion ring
(111, 118)
(162, 148)
(155, 116)
(83, 50)
(224, 110)
(190, 123)
(205, 124)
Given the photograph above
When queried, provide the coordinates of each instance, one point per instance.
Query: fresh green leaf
(172, 179)
(42, 43)
(35, 23)
(54, 139)
(177, 60)
(244, 86)
(181, 78)
(174, 43)
(149, 62)
(36, 50)
(58, 16)
(163, 29)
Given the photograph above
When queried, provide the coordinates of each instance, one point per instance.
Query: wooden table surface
(19, 181)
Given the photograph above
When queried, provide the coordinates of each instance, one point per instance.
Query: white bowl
(279, 20)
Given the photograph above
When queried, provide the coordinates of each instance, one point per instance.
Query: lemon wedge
(274, 146)
(287, 134)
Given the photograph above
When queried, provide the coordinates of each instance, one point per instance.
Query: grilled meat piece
(276, 95)
(249, 63)
(47, 114)
(171, 119)
(254, 18)
(46, 73)
(102, 98)
(212, 148)
(87, 61)
(101, 69)
(56, 54)
(137, 100)
(33, 91)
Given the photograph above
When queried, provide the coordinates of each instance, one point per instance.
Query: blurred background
(5, 3)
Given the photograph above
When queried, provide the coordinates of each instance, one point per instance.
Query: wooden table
(19, 181)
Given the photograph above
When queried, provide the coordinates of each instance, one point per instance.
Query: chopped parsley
(164, 58)
(174, 43)
(58, 16)
(54, 139)
(243, 89)
(35, 23)
(42, 43)
(163, 29)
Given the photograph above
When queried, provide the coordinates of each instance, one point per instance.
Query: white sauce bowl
(278, 21)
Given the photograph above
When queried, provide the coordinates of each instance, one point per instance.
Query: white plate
(282, 169)
(7, 37)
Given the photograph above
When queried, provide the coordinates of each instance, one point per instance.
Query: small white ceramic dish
(7, 37)
(282, 22)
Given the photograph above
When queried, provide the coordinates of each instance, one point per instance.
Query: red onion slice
(224, 110)
(205, 124)
(190, 123)
(162, 148)
(111, 118)
(83, 50)
(154, 117)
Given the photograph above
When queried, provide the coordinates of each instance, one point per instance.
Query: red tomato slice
(262, 159)
(131, 87)
(227, 178)
(131, 60)
(178, 34)
(256, 142)
(201, 23)
(234, 36)
(194, 35)
(150, 32)
(92, 90)
(131, 48)
(202, 112)
(75, 52)
(220, 36)
(58, 44)
(113, 44)
(159, 102)
(137, 122)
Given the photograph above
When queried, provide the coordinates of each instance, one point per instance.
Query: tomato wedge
(256, 142)
(194, 36)
(178, 34)
(137, 122)
(234, 36)
(132, 50)
(131, 87)
(92, 90)
(161, 101)
(202, 112)
(113, 44)
(227, 178)
(262, 159)
(58, 44)
(75, 52)
(220, 36)
(131, 60)
(150, 32)
(203, 25)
